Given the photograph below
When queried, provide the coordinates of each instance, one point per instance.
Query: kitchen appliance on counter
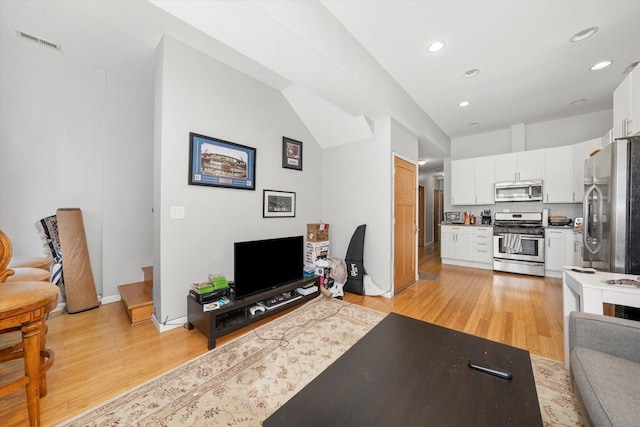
(559, 220)
(519, 191)
(611, 203)
(518, 243)
(454, 217)
(486, 217)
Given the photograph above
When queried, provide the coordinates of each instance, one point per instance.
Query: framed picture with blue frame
(215, 162)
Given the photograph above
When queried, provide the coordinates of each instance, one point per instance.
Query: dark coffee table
(406, 372)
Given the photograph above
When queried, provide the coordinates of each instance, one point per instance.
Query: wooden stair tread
(137, 301)
(136, 294)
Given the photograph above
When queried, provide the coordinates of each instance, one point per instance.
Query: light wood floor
(99, 355)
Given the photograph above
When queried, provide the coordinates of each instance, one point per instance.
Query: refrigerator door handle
(585, 215)
(597, 213)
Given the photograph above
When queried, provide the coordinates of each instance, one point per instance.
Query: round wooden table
(24, 305)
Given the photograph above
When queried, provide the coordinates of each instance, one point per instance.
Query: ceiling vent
(39, 40)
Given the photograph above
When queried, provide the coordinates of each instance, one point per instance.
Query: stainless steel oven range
(518, 243)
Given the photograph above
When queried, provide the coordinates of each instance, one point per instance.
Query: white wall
(569, 130)
(73, 134)
(200, 94)
(482, 144)
(552, 133)
(356, 189)
(429, 182)
(404, 142)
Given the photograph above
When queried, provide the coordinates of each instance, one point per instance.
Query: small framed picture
(278, 204)
(291, 153)
(218, 163)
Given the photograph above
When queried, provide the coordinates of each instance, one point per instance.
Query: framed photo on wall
(291, 153)
(278, 204)
(218, 163)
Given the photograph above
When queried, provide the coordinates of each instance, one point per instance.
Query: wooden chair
(23, 307)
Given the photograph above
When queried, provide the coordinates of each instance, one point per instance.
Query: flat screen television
(262, 265)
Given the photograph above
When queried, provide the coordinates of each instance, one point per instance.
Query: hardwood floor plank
(100, 355)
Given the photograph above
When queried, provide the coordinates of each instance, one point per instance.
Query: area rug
(427, 276)
(244, 381)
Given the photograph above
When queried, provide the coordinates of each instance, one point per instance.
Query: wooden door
(438, 199)
(405, 223)
(421, 221)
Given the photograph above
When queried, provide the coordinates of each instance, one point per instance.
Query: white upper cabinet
(558, 178)
(520, 166)
(472, 181)
(626, 106)
(485, 180)
(463, 191)
(580, 153)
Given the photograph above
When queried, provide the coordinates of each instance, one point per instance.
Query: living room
(111, 137)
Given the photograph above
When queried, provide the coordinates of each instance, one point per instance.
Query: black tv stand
(236, 314)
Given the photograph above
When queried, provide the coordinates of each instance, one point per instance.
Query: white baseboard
(170, 324)
(110, 299)
(472, 264)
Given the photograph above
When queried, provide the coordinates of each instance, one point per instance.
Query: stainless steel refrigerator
(611, 230)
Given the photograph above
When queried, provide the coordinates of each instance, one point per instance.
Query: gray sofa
(605, 368)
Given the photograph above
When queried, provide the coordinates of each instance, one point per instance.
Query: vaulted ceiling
(341, 63)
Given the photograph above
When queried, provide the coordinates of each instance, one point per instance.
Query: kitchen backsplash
(570, 210)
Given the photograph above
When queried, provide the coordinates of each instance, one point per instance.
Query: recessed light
(436, 46)
(464, 104)
(474, 124)
(472, 73)
(583, 35)
(578, 101)
(601, 65)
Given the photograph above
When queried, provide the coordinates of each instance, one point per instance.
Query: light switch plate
(176, 212)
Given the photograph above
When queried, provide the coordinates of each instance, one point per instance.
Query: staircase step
(137, 301)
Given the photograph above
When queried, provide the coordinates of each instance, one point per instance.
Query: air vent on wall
(39, 40)
(630, 67)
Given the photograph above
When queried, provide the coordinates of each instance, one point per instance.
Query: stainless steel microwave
(454, 217)
(519, 191)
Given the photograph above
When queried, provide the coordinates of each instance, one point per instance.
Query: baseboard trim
(472, 264)
(170, 324)
(110, 299)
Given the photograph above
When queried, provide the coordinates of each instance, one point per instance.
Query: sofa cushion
(29, 261)
(29, 274)
(608, 385)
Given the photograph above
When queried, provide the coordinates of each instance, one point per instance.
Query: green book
(203, 287)
(218, 282)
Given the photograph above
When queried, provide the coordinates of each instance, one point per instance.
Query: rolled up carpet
(80, 288)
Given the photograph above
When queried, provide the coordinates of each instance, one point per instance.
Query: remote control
(501, 373)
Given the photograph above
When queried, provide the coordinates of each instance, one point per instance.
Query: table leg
(31, 334)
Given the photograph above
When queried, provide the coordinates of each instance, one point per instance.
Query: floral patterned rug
(244, 381)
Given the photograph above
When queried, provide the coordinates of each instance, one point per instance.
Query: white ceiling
(341, 63)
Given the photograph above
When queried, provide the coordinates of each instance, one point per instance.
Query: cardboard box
(313, 251)
(317, 232)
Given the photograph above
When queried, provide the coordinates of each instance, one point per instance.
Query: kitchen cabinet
(580, 152)
(578, 247)
(472, 181)
(557, 178)
(485, 178)
(520, 166)
(482, 244)
(462, 182)
(456, 242)
(558, 250)
(626, 106)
